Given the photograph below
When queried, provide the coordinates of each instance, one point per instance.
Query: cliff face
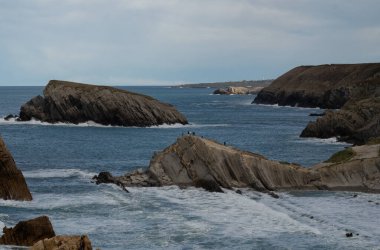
(12, 182)
(324, 86)
(195, 161)
(238, 91)
(77, 103)
(357, 122)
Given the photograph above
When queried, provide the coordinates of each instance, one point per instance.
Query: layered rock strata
(356, 122)
(195, 161)
(71, 102)
(325, 86)
(12, 182)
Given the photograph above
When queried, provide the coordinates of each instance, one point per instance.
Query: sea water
(59, 161)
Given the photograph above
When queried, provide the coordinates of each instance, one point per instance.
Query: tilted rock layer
(27, 233)
(195, 161)
(324, 86)
(76, 103)
(12, 182)
(357, 122)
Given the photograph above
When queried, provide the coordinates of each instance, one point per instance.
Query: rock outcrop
(238, 91)
(199, 162)
(356, 122)
(62, 242)
(12, 182)
(324, 86)
(71, 102)
(27, 233)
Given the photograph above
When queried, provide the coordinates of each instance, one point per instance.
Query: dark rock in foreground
(71, 102)
(324, 86)
(12, 182)
(199, 162)
(64, 242)
(356, 122)
(27, 233)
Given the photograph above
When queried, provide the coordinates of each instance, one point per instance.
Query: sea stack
(325, 86)
(12, 182)
(71, 102)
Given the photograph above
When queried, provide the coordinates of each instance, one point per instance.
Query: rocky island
(71, 102)
(12, 181)
(200, 162)
(325, 86)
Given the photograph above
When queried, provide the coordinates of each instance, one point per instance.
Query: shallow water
(59, 161)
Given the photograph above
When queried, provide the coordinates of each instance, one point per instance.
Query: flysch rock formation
(63, 242)
(27, 233)
(238, 91)
(200, 162)
(356, 122)
(325, 86)
(12, 182)
(71, 102)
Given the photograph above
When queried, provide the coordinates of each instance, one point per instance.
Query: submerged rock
(324, 86)
(27, 233)
(69, 242)
(77, 103)
(12, 182)
(199, 162)
(356, 122)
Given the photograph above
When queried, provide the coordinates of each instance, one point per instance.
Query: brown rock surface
(199, 162)
(12, 182)
(357, 122)
(64, 242)
(324, 86)
(26, 233)
(76, 103)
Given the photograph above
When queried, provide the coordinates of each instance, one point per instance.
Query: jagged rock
(324, 86)
(106, 177)
(26, 233)
(199, 162)
(238, 91)
(10, 116)
(357, 122)
(76, 103)
(12, 182)
(63, 242)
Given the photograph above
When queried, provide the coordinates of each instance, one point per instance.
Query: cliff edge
(72, 102)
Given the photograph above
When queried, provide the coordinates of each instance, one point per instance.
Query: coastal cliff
(238, 91)
(12, 182)
(325, 86)
(199, 162)
(71, 102)
(356, 122)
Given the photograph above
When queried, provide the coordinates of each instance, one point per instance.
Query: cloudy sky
(135, 42)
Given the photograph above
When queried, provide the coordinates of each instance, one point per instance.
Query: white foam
(286, 106)
(58, 173)
(332, 140)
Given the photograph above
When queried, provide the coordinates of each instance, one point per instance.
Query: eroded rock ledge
(195, 161)
(12, 181)
(71, 102)
(324, 86)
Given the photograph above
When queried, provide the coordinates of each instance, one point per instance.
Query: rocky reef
(12, 182)
(71, 102)
(325, 86)
(75, 242)
(238, 91)
(199, 162)
(27, 233)
(356, 122)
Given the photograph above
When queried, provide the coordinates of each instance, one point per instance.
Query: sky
(168, 42)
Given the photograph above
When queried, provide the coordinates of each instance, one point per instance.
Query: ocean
(59, 161)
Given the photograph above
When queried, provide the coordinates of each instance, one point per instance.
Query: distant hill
(251, 83)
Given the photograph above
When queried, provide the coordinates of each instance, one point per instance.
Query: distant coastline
(244, 83)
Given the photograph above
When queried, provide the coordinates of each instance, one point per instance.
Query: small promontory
(200, 162)
(12, 181)
(71, 102)
(325, 86)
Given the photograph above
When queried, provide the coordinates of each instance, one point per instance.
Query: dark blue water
(58, 162)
